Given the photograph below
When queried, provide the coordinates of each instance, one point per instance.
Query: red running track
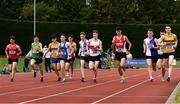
(137, 89)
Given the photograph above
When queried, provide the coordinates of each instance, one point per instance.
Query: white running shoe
(151, 79)
(63, 80)
(162, 79)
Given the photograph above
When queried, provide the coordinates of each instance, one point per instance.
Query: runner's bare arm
(176, 41)
(129, 43)
(40, 48)
(100, 47)
(19, 51)
(71, 48)
(88, 46)
(144, 47)
(79, 50)
(157, 46)
(75, 47)
(113, 44)
(6, 51)
(59, 50)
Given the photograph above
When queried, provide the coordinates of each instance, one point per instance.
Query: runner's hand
(127, 52)
(144, 51)
(174, 46)
(18, 54)
(79, 53)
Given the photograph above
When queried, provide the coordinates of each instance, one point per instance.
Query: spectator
(47, 59)
(5, 69)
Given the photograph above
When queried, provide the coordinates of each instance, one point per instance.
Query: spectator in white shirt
(47, 59)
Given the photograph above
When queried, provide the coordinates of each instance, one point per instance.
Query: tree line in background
(97, 11)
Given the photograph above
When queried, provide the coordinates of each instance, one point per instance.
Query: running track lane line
(35, 88)
(35, 82)
(122, 91)
(74, 90)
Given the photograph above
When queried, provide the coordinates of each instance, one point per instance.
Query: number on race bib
(12, 52)
(169, 46)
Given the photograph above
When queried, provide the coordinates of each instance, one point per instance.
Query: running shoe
(122, 79)
(162, 79)
(94, 80)
(35, 74)
(82, 80)
(168, 79)
(42, 79)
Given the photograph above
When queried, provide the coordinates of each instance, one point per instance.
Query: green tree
(11, 8)
(44, 11)
(110, 11)
(158, 11)
(70, 10)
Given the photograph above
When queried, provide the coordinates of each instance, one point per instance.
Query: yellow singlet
(54, 49)
(169, 41)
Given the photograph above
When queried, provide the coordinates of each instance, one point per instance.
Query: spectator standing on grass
(5, 69)
(47, 56)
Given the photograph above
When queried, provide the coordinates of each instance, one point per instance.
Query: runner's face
(54, 39)
(70, 39)
(12, 41)
(95, 35)
(82, 37)
(161, 33)
(150, 34)
(62, 38)
(36, 39)
(118, 32)
(168, 29)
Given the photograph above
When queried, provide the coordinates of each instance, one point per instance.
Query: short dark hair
(95, 31)
(36, 36)
(63, 34)
(167, 25)
(118, 29)
(12, 37)
(150, 29)
(83, 33)
(162, 31)
(53, 36)
(70, 35)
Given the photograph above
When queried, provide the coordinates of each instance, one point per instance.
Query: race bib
(94, 50)
(12, 52)
(118, 49)
(119, 45)
(54, 51)
(63, 52)
(35, 50)
(150, 45)
(169, 46)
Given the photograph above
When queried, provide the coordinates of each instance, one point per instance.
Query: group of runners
(159, 54)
